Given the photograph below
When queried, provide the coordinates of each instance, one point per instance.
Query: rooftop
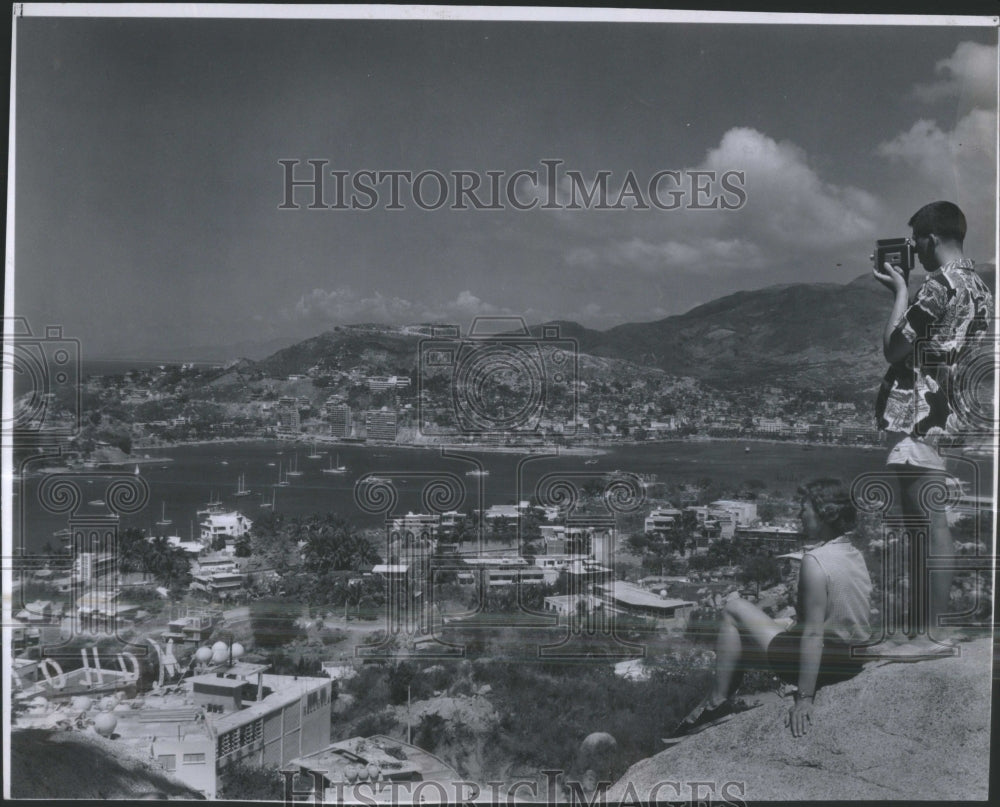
(630, 594)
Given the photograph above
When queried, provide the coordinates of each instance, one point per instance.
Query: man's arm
(895, 345)
(812, 584)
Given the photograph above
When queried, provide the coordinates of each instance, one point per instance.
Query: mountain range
(821, 335)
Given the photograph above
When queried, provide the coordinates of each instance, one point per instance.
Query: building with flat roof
(339, 417)
(287, 413)
(773, 538)
(231, 524)
(381, 768)
(631, 599)
(743, 513)
(662, 520)
(381, 424)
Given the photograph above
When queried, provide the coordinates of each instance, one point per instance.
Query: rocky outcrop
(80, 765)
(917, 731)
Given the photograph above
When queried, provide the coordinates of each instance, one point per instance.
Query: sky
(148, 183)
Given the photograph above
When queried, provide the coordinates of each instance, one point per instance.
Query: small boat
(136, 472)
(164, 521)
(590, 462)
(374, 480)
(295, 468)
(225, 462)
(274, 491)
(96, 502)
(315, 454)
(282, 479)
(270, 465)
(746, 450)
(335, 469)
(478, 472)
(242, 489)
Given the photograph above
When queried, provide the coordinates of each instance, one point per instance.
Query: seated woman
(832, 615)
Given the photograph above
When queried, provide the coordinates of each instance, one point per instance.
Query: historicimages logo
(498, 380)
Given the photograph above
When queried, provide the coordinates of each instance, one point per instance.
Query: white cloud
(789, 206)
(938, 154)
(650, 256)
(969, 74)
(790, 213)
(346, 306)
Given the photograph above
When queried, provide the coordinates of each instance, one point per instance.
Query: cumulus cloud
(345, 306)
(970, 74)
(957, 163)
(789, 205)
(652, 256)
(937, 153)
(790, 210)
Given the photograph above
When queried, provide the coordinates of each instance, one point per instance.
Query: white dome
(105, 723)
(220, 645)
(238, 650)
(203, 654)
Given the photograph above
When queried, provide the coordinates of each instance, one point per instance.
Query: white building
(232, 524)
(744, 513)
(662, 519)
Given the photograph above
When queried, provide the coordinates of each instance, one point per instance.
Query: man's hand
(799, 716)
(890, 277)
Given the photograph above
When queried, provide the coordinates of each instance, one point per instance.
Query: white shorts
(917, 452)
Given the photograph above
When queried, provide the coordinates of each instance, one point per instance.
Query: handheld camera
(896, 251)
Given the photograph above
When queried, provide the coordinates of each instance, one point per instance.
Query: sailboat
(295, 468)
(164, 521)
(242, 490)
(270, 504)
(136, 472)
(282, 480)
(335, 469)
(315, 454)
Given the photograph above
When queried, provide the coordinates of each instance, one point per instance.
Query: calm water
(197, 474)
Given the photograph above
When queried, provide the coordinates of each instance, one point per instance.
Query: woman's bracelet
(801, 695)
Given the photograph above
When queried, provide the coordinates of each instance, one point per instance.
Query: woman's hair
(831, 500)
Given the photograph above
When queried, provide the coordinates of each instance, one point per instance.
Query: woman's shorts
(836, 664)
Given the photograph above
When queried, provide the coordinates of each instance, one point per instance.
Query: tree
(133, 550)
(242, 782)
(760, 570)
(272, 622)
(333, 544)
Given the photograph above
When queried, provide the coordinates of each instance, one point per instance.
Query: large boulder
(916, 731)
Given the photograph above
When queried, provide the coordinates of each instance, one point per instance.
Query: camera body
(896, 251)
(497, 380)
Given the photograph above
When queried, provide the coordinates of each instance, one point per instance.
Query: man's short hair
(832, 502)
(943, 219)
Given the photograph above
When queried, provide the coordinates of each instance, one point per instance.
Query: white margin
(488, 13)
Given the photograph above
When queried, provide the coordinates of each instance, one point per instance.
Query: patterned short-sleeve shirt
(947, 322)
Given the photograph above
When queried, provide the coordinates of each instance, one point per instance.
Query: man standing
(923, 342)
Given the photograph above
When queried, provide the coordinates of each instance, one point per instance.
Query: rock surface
(896, 731)
(81, 765)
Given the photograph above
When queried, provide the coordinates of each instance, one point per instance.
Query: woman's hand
(800, 716)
